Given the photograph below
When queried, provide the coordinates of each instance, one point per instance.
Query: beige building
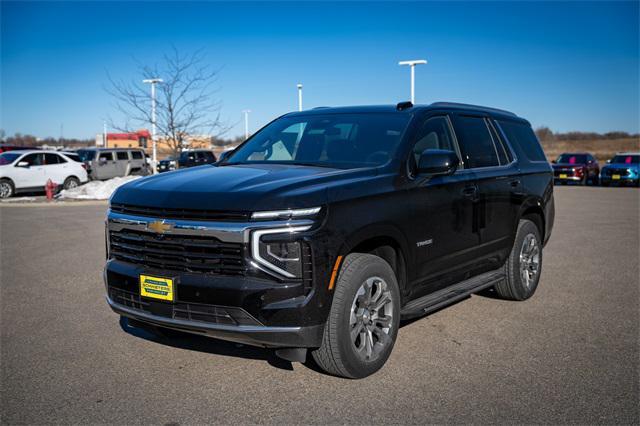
(142, 139)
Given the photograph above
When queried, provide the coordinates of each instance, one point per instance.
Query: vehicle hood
(245, 187)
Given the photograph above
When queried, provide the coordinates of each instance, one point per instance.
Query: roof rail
(404, 105)
(321, 107)
(470, 106)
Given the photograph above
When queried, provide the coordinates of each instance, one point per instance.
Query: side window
(504, 154)
(122, 155)
(434, 134)
(33, 159)
(209, 157)
(136, 155)
(476, 144)
(50, 159)
(108, 156)
(522, 139)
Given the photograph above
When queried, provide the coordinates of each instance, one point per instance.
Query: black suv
(196, 157)
(328, 227)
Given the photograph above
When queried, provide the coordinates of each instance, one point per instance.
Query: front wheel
(524, 265)
(364, 318)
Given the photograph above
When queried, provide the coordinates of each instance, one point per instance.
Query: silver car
(108, 163)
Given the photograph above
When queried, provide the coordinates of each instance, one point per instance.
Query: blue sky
(569, 66)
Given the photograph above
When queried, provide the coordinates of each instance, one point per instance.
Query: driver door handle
(470, 191)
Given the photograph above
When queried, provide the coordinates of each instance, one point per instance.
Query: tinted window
(626, 159)
(34, 159)
(122, 155)
(50, 159)
(476, 144)
(86, 155)
(137, 155)
(106, 155)
(504, 154)
(209, 157)
(435, 134)
(572, 159)
(8, 158)
(326, 140)
(73, 156)
(523, 140)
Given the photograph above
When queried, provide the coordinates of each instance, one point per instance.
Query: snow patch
(96, 189)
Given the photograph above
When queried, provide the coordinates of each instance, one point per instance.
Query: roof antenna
(404, 105)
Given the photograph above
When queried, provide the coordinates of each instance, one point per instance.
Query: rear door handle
(515, 183)
(470, 191)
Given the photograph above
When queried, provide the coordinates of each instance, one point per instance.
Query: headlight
(280, 255)
(286, 214)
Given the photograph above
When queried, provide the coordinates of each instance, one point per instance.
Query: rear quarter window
(522, 139)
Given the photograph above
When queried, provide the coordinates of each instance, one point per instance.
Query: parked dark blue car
(623, 169)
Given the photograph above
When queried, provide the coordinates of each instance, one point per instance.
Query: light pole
(246, 123)
(153, 82)
(104, 134)
(299, 97)
(413, 64)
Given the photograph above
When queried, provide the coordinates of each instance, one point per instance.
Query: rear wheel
(71, 182)
(6, 188)
(364, 318)
(524, 265)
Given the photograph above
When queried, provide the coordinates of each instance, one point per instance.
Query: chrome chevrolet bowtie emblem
(159, 226)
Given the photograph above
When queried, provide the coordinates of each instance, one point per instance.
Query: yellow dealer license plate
(156, 287)
(563, 176)
(615, 177)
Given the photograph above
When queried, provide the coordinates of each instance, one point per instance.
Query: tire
(71, 182)
(367, 352)
(6, 188)
(516, 286)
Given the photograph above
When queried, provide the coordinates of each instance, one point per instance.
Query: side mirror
(554, 162)
(438, 162)
(24, 164)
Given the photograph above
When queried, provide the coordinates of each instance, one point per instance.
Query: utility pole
(246, 123)
(413, 64)
(153, 82)
(299, 97)
(104, 135)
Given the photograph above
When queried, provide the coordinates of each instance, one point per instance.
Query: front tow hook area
(292, 354)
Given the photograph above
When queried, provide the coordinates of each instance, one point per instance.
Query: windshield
(331, 140)
(572, 159)
(8, 158)
(86, 154)
(626, 159)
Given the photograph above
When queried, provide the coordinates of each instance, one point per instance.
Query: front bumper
(256, 335)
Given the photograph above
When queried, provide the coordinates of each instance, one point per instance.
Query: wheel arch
(533, 209)
(385, 241)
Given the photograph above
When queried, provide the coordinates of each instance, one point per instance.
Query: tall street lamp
(299, 97)
(413, 64)
(246, 123)
(153, 82)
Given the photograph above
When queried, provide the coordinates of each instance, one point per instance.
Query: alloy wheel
(529, 260)
(371, 319)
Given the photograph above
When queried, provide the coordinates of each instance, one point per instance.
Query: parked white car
(24, 171)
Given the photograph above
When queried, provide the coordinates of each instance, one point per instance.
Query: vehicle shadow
(194, 342)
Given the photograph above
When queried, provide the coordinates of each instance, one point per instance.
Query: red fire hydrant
(50, 189)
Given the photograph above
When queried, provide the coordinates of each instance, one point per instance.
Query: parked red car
(581, 168)
(4, 148)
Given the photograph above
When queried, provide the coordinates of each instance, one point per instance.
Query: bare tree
(185, 101)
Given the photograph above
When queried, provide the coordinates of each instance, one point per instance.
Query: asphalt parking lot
(569, 355)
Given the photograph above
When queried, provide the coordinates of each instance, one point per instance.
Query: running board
(451, 294)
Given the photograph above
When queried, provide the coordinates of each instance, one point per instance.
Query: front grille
(184, 214)
(557, 173)
(621, 172)
(197, 254)
(212, 314)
